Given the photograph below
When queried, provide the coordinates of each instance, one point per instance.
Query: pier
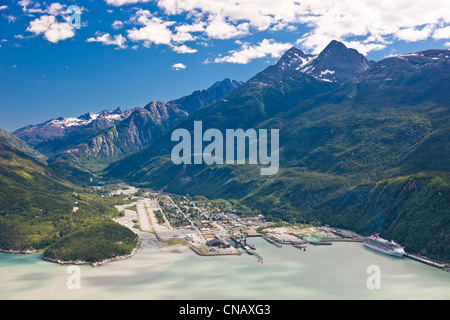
(250, 251)
(271, 241)
(299, 246)
(320, 243)
(429, 262)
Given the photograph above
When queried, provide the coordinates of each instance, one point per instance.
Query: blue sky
(127, 53)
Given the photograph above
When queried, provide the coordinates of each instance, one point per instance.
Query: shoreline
(95, 264)
(25, 251)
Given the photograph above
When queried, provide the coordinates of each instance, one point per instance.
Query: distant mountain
(127, 136)
(55, 136)
(58, 135)
(203, 98)
(364, 148)
(96, 140)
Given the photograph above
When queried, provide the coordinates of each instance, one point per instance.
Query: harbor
(174, 272)
(225, 256)
(210, 231)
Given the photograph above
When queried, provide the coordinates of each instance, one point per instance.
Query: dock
(429, 262)
(299, 246)
(271, 241)
(320, 243)
(250, 251)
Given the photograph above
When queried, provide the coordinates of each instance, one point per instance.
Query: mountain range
(364, 145)
(94, 140)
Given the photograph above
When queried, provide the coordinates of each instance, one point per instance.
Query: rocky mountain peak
(337, 63)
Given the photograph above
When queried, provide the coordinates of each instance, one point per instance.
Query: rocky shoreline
(25, 251)
(94, 264)
(76, 262)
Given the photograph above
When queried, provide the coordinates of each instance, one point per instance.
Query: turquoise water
(324, 272)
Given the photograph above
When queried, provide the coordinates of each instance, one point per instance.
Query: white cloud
(154, 30)
(178, 66)
(53, 9)
(119, 3)
(447, 44)
(364, 48)
(10, 18)
(381, 19)
(53, 22)
(443, 33)
(24, 4)
(3, 8)
(183, 49)
(247, 52)
(346, 20)
(51, 29)
(413, 34)
(21, 37)
(117, 25)
(107, 39)
(218, 28)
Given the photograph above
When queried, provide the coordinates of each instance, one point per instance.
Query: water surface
(329, 272)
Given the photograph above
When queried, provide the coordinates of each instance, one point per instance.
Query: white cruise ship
(384, 246)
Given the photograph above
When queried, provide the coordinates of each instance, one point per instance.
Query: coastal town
(220, 227)
(216, 228)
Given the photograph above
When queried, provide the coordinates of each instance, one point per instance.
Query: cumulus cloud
(53, 22)
(183, 49)
(117, 25)
(178, 66)
(413, 34)
(443, 33)
(54, 9)
(3, 8)
(365, 25)
(218, 28)
(51, 29)
(381, 19)
(154, 30)
(344, 20)
(118, 3)
(24, 4)
(364, 48)
(248, 52)
(107, 39)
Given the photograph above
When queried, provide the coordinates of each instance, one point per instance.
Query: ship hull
(383, 250)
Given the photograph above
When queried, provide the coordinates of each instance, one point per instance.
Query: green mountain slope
(37, 209)
(413, 210)
(21, 145)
